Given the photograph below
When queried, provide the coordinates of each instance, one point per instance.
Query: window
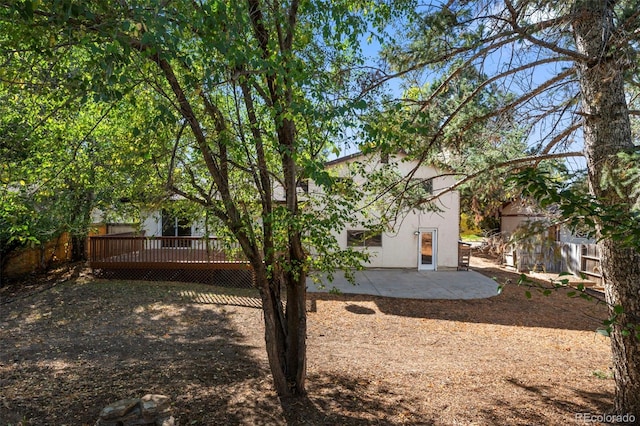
(419, 191)
(364, 238)
(173, 226)
(426, 185)
(303, 183)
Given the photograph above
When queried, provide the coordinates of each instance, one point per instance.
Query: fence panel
(38, 257)
(590, 263)
(576, 258)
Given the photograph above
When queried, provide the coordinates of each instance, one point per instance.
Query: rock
(119, 409)
(154, 403)
(150, 410)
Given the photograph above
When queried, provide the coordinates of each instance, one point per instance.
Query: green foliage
(556, 284)
(122, 135)
(579, 209)
(449, 123)
(616, 320)
(579, 290)
(602, 374)
(548, 56)
(228, 106)
(65, 152)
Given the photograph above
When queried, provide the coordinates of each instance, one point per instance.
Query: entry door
(175, 227)
(427, 250)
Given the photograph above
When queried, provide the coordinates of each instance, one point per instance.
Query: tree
(255, 91)
(59, 149)
(569, 66)
(472, 141)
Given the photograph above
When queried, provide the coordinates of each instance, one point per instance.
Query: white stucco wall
(151, 223)
(400, 247)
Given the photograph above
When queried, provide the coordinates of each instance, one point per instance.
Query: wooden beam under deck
(200, 266)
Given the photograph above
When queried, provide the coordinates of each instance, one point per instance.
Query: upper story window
(419, 191)
(426, 185)
(303, 184)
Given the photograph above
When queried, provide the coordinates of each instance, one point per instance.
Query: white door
(427, 249)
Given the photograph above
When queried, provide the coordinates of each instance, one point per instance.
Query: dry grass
(71, 349)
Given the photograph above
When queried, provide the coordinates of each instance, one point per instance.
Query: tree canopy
(568, 69)
(230, 105)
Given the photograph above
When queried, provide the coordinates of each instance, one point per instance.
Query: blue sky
(371, 48)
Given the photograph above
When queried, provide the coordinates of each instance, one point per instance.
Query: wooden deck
(126, 252)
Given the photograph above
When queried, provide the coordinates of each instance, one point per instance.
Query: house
(415, 238)
(422, 239)
(162, 223)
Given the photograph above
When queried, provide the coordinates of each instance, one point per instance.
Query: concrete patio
(412, 284)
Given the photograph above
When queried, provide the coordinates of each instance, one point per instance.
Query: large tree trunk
(285, 331)
(296, 317)
(607, 132)
(80, 219)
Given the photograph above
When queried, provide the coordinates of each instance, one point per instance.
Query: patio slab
(412, 284)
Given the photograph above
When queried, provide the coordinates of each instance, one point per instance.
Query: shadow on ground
(70, 351)
(512, 307)
(67, 352)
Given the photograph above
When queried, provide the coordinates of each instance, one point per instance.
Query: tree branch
(517, 161)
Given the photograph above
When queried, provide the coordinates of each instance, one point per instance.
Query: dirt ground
(67, 350)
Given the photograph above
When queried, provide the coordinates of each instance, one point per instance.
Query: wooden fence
(590, 263)
(578, 259)
(37, 257)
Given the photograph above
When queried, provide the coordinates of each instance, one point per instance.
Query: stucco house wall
(400, 247)
(152, 223)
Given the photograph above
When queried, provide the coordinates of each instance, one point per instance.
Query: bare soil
(69, 349)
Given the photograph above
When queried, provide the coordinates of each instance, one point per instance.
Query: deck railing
(127, 251)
